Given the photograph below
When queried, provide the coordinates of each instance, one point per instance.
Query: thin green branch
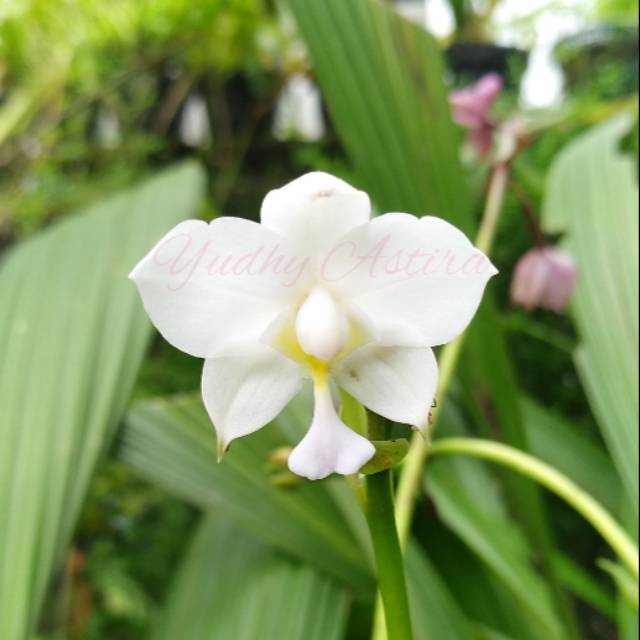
(412, 469)
(493, 206)
(411, 474)
(553, 480)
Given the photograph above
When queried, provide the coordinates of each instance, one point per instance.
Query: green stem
(414, 462)
(389, 561)
(553, 480)
(413, 465)
(493, 206)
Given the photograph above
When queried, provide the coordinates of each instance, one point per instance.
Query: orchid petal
(329, 446)
(242, 394)
(213, 289)
(315, 210)
(418, 280)
(398, 383)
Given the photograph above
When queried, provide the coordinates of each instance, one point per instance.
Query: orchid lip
(329, 446)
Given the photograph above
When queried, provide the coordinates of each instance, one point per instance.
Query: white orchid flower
(299, 111)
(319, 291)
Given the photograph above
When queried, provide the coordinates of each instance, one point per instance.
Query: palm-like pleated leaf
(72, 334)
(592, 195)
(232, 586)
(172, 443)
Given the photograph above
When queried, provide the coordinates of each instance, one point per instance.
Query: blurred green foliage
(92, 96)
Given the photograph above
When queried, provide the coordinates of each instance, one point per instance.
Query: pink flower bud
(545, 278)
(471, 106)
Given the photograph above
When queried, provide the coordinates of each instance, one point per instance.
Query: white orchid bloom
(299, 111)
(319, 291)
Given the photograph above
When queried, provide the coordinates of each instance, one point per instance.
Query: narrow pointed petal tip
(137, 270)
(132, 273)
(425, 433)
(423, 430)
(242, 394)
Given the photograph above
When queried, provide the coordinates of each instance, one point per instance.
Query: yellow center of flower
(317, 333)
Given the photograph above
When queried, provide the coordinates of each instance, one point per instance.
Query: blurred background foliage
(98, 97)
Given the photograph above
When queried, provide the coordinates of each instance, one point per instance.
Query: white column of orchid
(319, 291)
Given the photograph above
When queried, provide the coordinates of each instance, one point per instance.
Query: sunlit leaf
(72, 334)
(592, 195)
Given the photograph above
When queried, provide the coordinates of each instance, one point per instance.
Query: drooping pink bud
(471, 106)
(545, 278)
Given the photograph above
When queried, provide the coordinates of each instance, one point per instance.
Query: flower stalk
(552, 479)
(389, 561)
(412, 469)
(380, 514)
(413, 465)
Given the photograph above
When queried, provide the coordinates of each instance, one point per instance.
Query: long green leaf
(382, 78)
(585, 586)
(480, 592)
(495, 399)
(464, 501)
(627, 616)
(231, 586)
(435, 613)
(468, 502)
(559, 443)
(72, 334)
(592, 195)
(172, 443)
